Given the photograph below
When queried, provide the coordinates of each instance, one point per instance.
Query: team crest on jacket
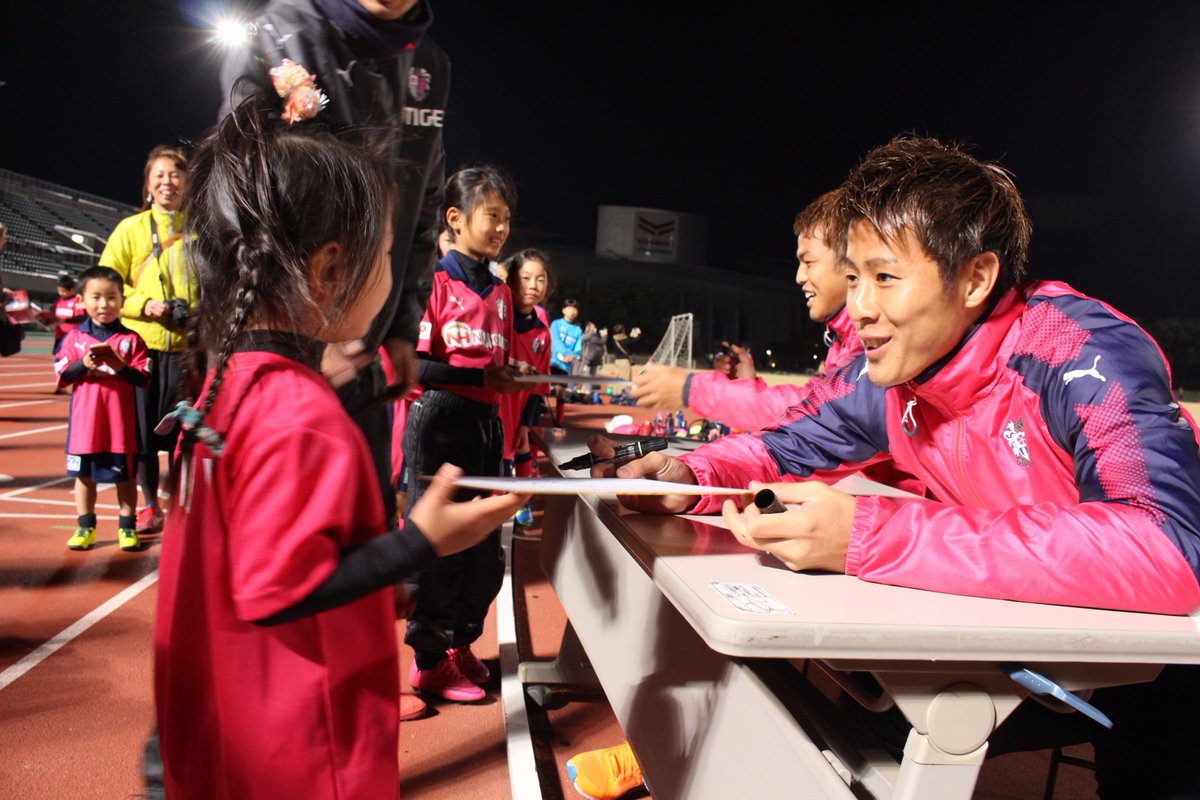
(538, 346)
(419, 83)
(501, 308)
(1014, 434)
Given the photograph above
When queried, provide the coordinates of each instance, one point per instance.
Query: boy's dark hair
(824, 216)
(570, 301)
(466, 189)
(161, 151)
(955, 205)
(66, 282)
(264, 197)
(513, 266)
(100, 274)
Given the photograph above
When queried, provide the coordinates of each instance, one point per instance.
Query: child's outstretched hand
(452, 527)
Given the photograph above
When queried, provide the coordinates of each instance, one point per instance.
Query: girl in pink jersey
(276, 670)
(462, 346)
(529, 281)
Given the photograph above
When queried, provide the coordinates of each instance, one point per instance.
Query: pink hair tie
(298, 87)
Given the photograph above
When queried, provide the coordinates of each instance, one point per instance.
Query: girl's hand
(89, 360)
(453, 527)
(813, 536)
(341, 361)
(656, 467)
(500, 379)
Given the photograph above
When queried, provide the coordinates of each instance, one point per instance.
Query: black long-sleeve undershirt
(383, 561)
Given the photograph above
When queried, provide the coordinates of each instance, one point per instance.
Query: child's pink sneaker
(469, 664)
(445, 681)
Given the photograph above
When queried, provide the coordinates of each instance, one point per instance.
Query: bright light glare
(77, 238)
(231, 32)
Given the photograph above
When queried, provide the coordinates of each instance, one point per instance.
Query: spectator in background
(10, 335)
(566, 343)
(622, 343)
(68, 311)
(146, 250)
(595, 347)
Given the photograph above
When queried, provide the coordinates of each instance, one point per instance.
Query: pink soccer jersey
(464, 328)
(103, 416)
(67, 313)
(309, 707)
(530, 353)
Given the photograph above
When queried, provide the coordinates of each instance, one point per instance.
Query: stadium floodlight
(232, 32)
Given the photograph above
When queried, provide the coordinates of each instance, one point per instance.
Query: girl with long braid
(276, 669)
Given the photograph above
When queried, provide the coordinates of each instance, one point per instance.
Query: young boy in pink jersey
(104, 361)
(529, 281)
(462, 347)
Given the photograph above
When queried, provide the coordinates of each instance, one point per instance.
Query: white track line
(33, 431)
(75, 629)
(522, 768)
(41, 373)
(24, 403)
(39, 501)
(71, 517)
(5, 387)
(35, 487)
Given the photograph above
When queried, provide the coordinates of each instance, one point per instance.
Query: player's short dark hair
(824, 216)
(954, 204)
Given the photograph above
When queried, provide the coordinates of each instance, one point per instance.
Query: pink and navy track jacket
(1063, 469)
(749, 403)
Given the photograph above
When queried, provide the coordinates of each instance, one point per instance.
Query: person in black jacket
(378, 67)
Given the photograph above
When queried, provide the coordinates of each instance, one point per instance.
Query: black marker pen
(626, 452)
(766, 502)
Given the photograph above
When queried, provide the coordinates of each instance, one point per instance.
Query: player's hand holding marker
(452, 527)
(812, 532)
(654, 466)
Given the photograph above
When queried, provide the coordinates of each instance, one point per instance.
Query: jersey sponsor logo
(461, 335)
(457, 301)
(1014, 434)
(1090, 372)
(425, 331)
(419, 83)
(423, 117)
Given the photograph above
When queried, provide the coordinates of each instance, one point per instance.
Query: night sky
(740, 115)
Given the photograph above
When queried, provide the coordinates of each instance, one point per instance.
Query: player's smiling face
(484, 231)
(823, 283)
(906, 317)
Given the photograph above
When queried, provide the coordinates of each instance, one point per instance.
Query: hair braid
(250, 265)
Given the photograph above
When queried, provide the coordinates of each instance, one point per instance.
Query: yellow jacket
(130, 252)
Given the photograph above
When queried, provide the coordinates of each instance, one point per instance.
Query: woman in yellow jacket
(160, 293)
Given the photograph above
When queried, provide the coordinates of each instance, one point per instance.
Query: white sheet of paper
(587, 486)
(557, 378)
